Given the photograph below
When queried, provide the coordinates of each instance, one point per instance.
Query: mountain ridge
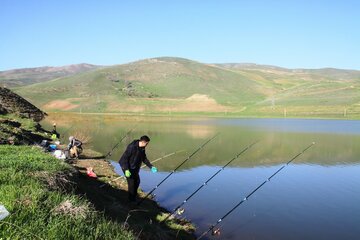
(27, 76)
(79, 67)
(177, 85)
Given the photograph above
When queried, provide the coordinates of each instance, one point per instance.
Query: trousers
(75, 151)
(133, 184)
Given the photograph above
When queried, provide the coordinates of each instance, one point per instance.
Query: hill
(28, 76)
(176, 86)
(10, 102)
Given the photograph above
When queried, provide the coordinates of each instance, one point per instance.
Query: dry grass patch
(70, 209)
(60, 104)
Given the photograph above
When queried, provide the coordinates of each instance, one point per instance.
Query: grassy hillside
(177, 86)
(28, 76)
(304, 92)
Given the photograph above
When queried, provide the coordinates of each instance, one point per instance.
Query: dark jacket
(75, 142)
(133, 157)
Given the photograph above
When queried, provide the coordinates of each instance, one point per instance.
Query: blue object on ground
(52, 146)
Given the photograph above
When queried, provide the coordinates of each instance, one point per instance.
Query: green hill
(177, 86)
(28, 76)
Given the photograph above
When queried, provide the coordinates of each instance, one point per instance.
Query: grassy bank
(50, 199)
(16, 130)
(43, 206)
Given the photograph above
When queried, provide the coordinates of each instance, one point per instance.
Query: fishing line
(197, 150)
(179, 210)
(217, 231)
(116, 145)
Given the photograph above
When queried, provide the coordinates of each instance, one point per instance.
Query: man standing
(130, 163)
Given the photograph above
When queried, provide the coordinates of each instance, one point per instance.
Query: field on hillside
(173, 86)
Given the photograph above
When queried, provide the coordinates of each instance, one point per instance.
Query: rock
(2, 110)
(10, 102)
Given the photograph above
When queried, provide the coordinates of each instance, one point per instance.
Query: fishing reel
(215, 232)
(180, 211)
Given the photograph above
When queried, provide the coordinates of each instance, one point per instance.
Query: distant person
(130, 163)
(54, 134)
(74, 147)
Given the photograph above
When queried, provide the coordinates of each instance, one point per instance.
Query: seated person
(74, 147)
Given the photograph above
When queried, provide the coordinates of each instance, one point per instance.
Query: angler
(130, 163)
(197, 150)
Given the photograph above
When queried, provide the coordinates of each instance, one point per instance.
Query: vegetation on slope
(28, 76)
(49, 199)
(174, 85)
(34, 189)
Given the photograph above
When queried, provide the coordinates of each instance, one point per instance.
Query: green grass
(26, 123)
(34, 207)
(20, 130)
(164, 78)
(28, 76)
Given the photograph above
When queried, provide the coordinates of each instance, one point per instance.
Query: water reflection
(316, 197)
(171, 135)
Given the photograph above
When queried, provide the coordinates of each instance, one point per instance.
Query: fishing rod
(67, 130)
(180, 210)
(62, 136)
(217, 231)
(116, 145)
(158, 159)
(177, 168)
(168, 155)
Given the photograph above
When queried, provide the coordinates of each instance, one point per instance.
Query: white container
(3, 212)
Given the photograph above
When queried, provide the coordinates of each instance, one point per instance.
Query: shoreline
(69, 181)
(110, 193)
(210, 115)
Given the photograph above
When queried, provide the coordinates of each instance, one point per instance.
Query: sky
(285, 33)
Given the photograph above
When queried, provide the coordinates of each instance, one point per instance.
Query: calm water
(315, 197)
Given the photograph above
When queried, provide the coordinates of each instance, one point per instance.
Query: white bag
(59, 154)
(3, 212)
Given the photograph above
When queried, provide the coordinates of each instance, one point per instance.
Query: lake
(317, 196)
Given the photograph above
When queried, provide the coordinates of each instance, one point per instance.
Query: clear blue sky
(287, 33)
